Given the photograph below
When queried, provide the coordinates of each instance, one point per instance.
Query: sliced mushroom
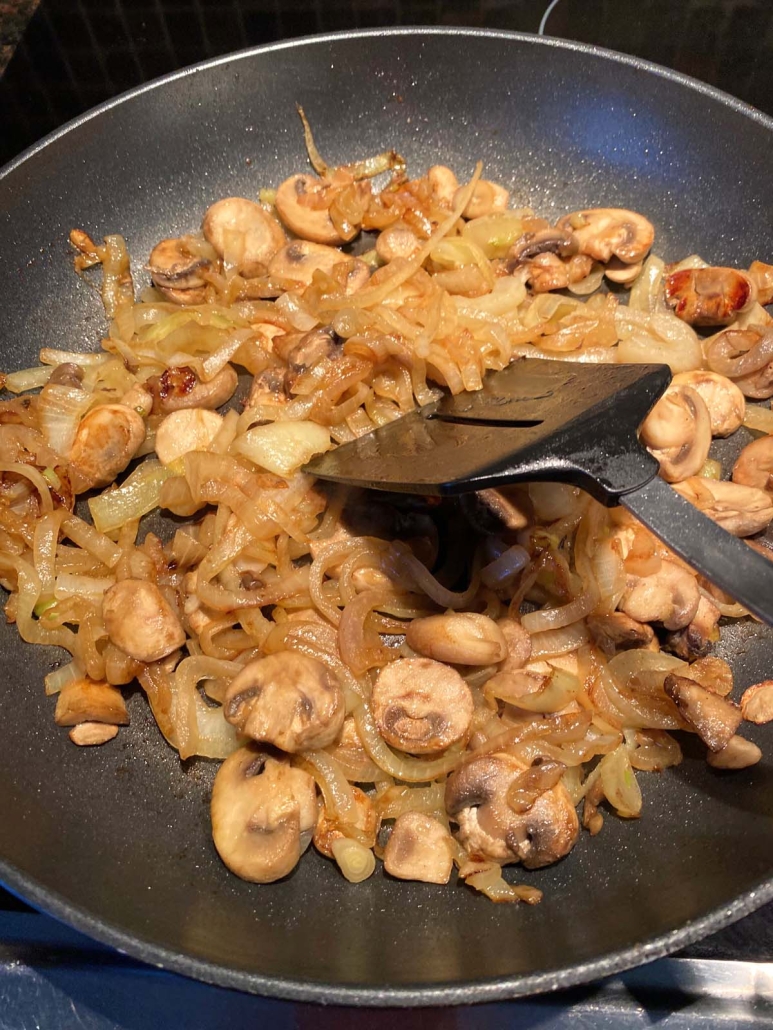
(85, 700)
(714, 674)
(738, 753)
(443, 184)
(90, 734)
(670, 596)
(107, 439)
(678, 433)
(263, 815)
(518, 644)
(741, 510)
(619, 272)
(270, 387)
(754, 465)
(757, 702)
(723, 399)
(695, 640)
(512, 683)
(179, 387)
(302, 202)
(67, 374)
(762, 277)
(615, 631)
(421, 706)
(300, 259)
(709, 296)
(547, 272)
(286, 699)
(607, 232)
(562, 242)
(365, 822)
(140, 620)
(486, 198)
(175, 271)
(492, 510)
(398, 241)
(244, 232)
(714, 718)
(190, 429)
(462, 638)
(419, 848)
(476, 798)
(312, 347)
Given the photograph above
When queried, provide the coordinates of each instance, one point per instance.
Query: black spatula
(551, 420)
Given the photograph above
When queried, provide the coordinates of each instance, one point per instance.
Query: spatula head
(536, 419)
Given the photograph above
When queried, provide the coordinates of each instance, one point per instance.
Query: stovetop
(77, 53)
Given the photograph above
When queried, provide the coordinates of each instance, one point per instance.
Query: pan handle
(722, 558)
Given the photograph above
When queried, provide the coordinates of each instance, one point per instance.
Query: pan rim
(432, 994)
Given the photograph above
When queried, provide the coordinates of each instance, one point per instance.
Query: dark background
(77, 53)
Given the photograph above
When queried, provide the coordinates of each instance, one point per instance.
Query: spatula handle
(723, 559)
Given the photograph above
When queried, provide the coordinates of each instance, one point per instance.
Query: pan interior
(117, 838)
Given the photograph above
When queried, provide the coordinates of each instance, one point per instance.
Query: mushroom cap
(678, 433)
(179, 387)
(616, 631)
(107, 439)
(286, 699)
(263, 813)
(754, 465)
(307, 220)
(261, 235)
(724, 400)
(419, 848)
(462, 638)
(606, 232)
(715, 719)
(709, 296)
(140, 620)
(172, 265)
(421, 706)
(300, 259)
(741, 510)
(670, 596)
(476, 798)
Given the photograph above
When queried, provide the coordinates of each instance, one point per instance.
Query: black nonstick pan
(115, 840)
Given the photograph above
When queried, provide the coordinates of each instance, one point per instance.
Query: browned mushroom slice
(678, 433)
(486, 198)
(462, 638)
(754, 465)
(421, 706)
(365, 821)
(300, 259)
(724, 401)
(741, 510)
(738, 753)
(85, 700)
(619, 272)
(714, 718)
(419, 848)
(263, 815)
(696, 638)
(607, 232)
(179, 387)
(286, 699)
(302, 204)
(91, 734)
(243, 232)
(616, 631)
(670, 596)
(493, 510)
(107, 439)
(548, 271)
(140, 620)
(709, 296)
(757, 702)
(175, 270)
(746, 357)
(476, 798)
(562, 242)
(312, 348)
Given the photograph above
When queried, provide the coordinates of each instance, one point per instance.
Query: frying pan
(115, 840)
